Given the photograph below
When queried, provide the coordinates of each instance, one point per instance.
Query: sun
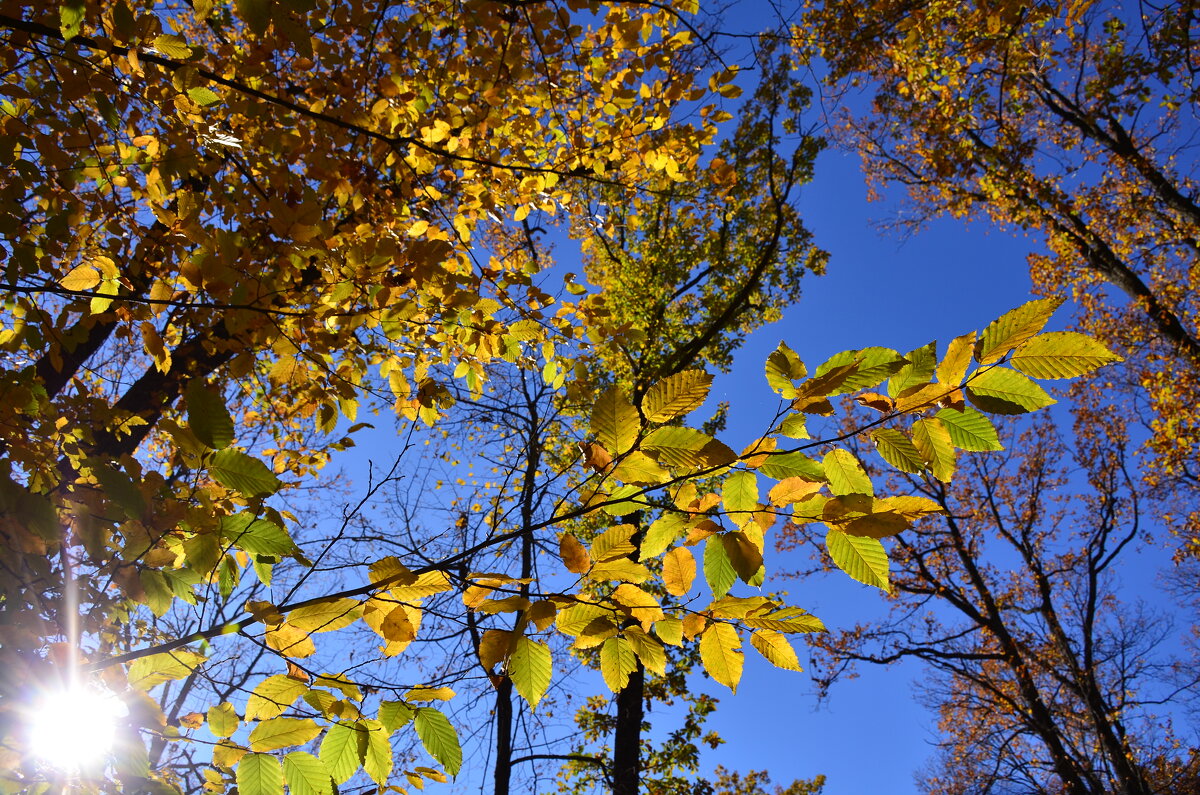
(74, 728)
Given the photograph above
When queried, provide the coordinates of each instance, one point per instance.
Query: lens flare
(74, 728)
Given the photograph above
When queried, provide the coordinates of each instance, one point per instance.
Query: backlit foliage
(232, 229)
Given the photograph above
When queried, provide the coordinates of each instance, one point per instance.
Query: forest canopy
(519, 239)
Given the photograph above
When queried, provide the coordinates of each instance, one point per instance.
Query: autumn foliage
(232, 232)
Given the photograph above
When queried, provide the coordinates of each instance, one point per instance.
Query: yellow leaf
(679, 570)
(776, 648)
(272, 696)
(953, 368)
(81, 278)
(429, 694)
(720, 652)
(282, 733)
(325, 616)
(642, 606)
(676, 395)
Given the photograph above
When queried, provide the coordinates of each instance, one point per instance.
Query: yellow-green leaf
(740, 496)
(932, 439)
(278, 733)
(1062, 354)
(306, 775)
(222, 719)
(919, 369)
(377, 759)
(861, 557)
(1014, 328)
(325, 616)
(1002, 391)
(647, 649)
(243, 473)
(615, 421)
(439, 738)
(783, 368)
(272, 696)
(845, 473)
(970, 429)
(154, 669)
(676, 395)
(617, 663)
(897, 449)
(720, 652)
(718, 568)
(343, 750)
(259, 774)
(776, 648)
(530, 669)
(207, 416)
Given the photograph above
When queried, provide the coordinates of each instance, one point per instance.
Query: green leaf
(999, 390)
(897, 449)
(718, 568)
(257, 536)
(676, 395)
(306, 775)
(919, 369)
(615, 421)
(662, 533)
(243, 473)
(788, 619)
(439, 738)
(272, 696)
(720, 652)
(259, 774)
(874, 365)
(783, 368)
(793, 465)
(154, 669)
(394, 714)
(203, 96)
(845, 473)
(276, 733)
(776, 649)
(617, 663)
(378, 759)
(970, 429)
(120, 489)
(861, 557)
(71, 14)
(343, 750)
(932, 439)
(530, 670)
(1013, 328)
(173, 47)
(739, 494)
(222, 720)
(1062, 354)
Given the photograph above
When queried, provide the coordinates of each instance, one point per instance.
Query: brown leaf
(574, 555)
(296, 672)
(595, 457)
(874, 400)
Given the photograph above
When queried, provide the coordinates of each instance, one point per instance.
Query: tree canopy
(232, 231)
